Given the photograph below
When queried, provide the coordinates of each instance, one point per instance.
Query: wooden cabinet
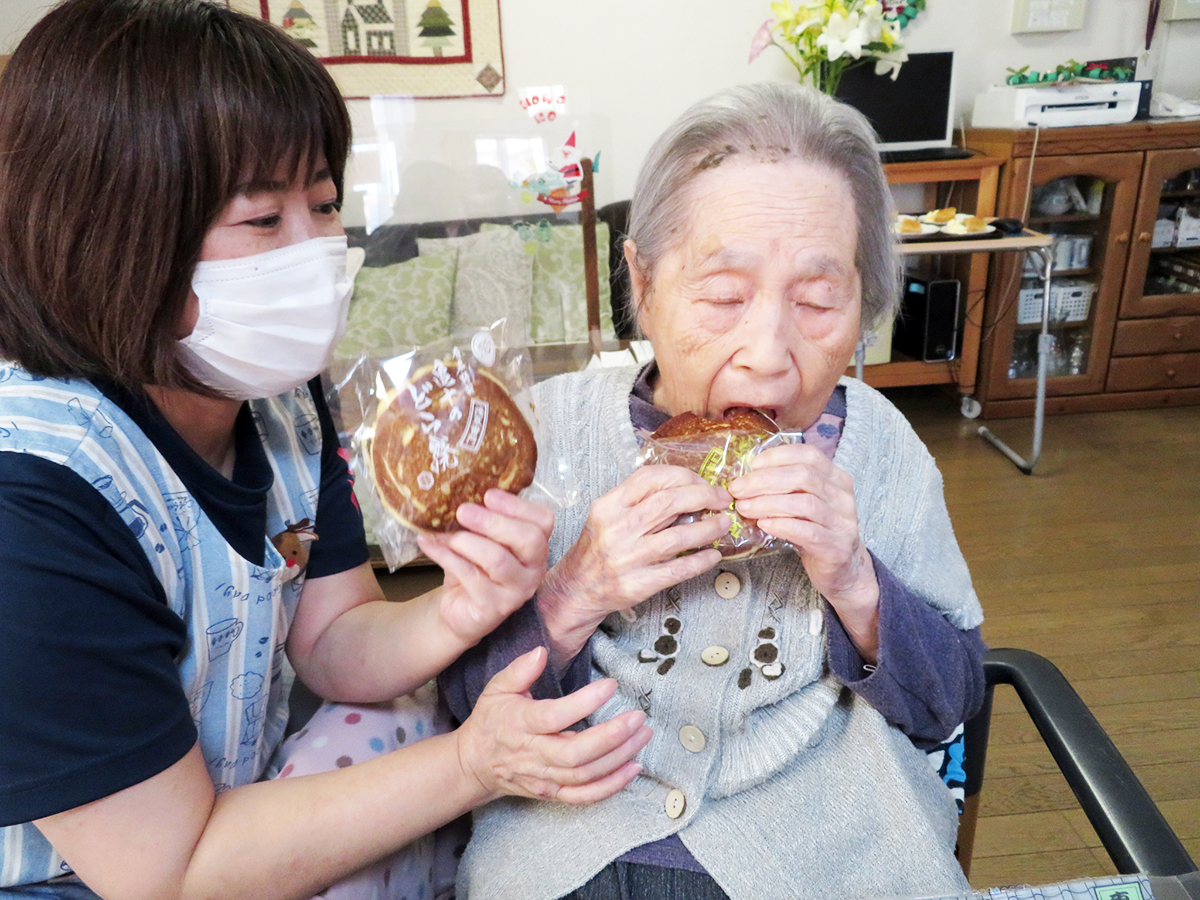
(1164, 370)
(1102, 191)
(1138, 337)
(1083, 334)
(1170, 180)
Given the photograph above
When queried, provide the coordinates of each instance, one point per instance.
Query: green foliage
(1069, 71)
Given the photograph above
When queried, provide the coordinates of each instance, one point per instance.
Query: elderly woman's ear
(638, 283)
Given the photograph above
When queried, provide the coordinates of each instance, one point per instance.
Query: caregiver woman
(790, 695)
(172, 275)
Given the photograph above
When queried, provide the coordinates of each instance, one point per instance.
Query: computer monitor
(913, 113)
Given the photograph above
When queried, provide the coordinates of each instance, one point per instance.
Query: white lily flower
(823, 37)
(891, 33)
(888, 63)
(811, 22)
(843, 36)
(873, 24)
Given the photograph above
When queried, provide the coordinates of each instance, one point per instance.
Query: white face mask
(268, 322)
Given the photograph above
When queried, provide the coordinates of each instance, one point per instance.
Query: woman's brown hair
(125, 128)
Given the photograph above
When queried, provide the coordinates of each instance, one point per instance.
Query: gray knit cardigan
(790, 785)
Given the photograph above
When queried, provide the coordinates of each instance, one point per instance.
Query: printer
(1057, 105)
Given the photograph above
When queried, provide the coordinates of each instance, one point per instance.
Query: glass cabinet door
(1163, 277)
(1086, 203)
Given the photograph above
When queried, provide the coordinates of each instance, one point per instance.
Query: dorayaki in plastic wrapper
(720, 450)
(441, 426)
(445, 438)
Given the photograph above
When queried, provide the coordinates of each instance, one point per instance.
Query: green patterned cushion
(559, 302)
(494, 280)
(398, 307)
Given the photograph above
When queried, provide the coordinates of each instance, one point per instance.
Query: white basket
(1029, 304)
(1070, 251)
(1073, 303)
(1070, 301)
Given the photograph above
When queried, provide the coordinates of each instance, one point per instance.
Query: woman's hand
(629, 551)
(514, 745)
(795, 492)
(494, 565)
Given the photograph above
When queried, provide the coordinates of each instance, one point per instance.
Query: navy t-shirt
(90, 697)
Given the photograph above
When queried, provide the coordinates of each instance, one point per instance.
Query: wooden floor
(1093, 562)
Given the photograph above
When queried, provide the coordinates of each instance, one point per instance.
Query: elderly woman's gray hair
(774, 122)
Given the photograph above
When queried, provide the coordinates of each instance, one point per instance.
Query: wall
(17, 18)
(630, 66)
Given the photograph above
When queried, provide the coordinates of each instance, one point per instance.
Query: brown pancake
(688, 425)
(443, 439)
(714, 449)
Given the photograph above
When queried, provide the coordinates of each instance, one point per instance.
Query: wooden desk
(555, 359)
(975, 181)
(903, 370)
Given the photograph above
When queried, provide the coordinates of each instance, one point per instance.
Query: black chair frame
(1131, 828)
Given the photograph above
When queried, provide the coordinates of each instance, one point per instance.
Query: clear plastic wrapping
(719, 456)
(440, 425)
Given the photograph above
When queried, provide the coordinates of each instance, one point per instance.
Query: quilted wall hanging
(404, 48)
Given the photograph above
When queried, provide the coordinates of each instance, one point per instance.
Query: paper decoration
(559, 185)
(544, 104)
(405, 48)
(903, 11)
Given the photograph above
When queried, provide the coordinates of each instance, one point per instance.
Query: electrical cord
(1009, 292)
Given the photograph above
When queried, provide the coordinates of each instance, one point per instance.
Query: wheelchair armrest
(1133, 831)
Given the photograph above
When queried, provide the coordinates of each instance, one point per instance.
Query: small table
(1026, 241)
(1036, 242)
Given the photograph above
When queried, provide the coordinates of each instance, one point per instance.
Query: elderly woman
(802, 686)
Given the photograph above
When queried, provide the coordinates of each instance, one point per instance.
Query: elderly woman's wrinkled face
(758, 302)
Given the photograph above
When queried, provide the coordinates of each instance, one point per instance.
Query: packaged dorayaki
(720, 451)
(441, 425)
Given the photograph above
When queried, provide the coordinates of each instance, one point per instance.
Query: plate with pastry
(968, 226)
(909, 228)
(939, 216)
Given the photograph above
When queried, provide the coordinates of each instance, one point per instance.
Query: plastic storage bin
(1070, 301)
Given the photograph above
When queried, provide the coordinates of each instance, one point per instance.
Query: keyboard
(1117, 887)
(928, 154)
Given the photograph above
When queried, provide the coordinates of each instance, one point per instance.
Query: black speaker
(927, 327)
(1143, 110)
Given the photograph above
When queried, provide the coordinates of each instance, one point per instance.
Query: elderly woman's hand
(630, 550)
(795, 492)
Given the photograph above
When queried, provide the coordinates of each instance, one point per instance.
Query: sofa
(415, 283)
